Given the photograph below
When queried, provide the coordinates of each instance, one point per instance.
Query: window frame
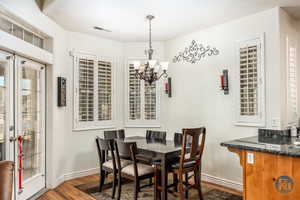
(142, 123)
(292, 118)
(95, 124)
(260, 119)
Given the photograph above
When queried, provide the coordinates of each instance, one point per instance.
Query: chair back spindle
(159, 136)
(113, 134)
(103, 146)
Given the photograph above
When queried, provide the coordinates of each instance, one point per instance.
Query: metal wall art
(195, 52)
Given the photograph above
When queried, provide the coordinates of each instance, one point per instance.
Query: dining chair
(192, 163)
(156, 135)
(108, 166)
(135, 171)
(6, 179)
(113, 134)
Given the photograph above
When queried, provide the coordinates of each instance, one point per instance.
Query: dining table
(165, 151)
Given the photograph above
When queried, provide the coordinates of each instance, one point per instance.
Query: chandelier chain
(150, 37)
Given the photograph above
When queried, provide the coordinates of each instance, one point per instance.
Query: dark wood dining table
(163, 150)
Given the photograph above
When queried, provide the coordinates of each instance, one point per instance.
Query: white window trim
(141, 123)
(260, 120)
(95, 125)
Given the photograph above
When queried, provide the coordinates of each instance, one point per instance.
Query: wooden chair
(113, 134)
(136, 171)
(159, 136)
(6, 180)
(108, 165)
(191, 163)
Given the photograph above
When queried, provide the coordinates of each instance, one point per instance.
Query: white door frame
(38, 181)
(9, 99)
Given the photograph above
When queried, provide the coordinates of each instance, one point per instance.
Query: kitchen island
(271, 166)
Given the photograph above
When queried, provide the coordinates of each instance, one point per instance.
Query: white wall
(80, 148)
(197, 99)
(288, 29)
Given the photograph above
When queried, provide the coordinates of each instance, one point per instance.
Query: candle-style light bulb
(136, 65)
(152, 63)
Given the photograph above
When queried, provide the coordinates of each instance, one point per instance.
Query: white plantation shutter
(134, 86)
(292, 105)
(150, 101)
(248, 80)
(251, 82)
(104, 91)
(86, 90)
(93, 88)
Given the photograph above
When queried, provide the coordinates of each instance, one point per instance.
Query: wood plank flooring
(68, 191)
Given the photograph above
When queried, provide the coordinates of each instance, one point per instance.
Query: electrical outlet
(250, 158)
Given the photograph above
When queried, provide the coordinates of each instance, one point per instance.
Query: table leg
(164, 178)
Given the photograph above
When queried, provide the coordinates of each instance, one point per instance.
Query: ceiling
(126, 18)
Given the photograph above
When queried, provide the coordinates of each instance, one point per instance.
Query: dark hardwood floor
(68, 191)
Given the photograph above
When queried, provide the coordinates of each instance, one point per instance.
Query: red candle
(222, 81)
(166, 87)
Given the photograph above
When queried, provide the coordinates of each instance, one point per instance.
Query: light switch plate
(275, 122)
(250, 158)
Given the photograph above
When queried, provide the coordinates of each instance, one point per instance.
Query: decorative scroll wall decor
(195, 52)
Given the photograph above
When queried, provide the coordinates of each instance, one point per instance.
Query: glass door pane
(6, 115)
(31, 127)
(2, 110)
(30, 92)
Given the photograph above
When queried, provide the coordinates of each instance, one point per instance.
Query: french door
(22, 122)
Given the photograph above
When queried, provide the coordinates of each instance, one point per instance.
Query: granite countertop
(275, 145)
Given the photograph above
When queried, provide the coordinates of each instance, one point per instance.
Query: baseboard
(205, 177)
(82, 173)
(222, 182)
(60, 180)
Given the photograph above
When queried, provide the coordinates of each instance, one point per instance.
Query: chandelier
(151, 70)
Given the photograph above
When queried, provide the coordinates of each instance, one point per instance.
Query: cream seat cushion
(141, 168)
(124, 163)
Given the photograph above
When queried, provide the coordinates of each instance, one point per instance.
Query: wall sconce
(168, 87)
(224, 82)
(61, 91)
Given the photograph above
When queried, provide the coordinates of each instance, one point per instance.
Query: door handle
(12, 139)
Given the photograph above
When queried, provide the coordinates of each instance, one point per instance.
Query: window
(93, 99)
(12, 28)
(142, 100)
(251, 105)
(292, 105)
